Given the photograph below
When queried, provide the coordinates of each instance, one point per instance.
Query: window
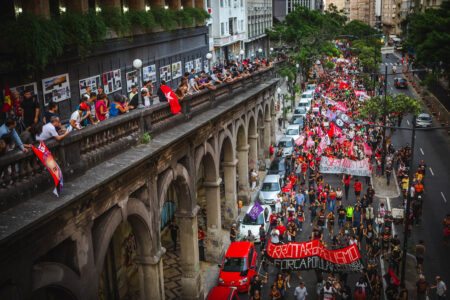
(222, 28)
(221, 3)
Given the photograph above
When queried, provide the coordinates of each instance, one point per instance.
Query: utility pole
(383, 153)
(408, 203)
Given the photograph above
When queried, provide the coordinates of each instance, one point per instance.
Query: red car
(223, 293)
(238, 266)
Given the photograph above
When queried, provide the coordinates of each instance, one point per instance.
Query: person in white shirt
(275, 236)
(300, 292)
(77, 116)
(49, 131)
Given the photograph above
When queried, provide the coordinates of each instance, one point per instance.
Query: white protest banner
(329, 165)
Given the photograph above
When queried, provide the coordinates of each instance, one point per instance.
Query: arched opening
(179, 235)
(229, 183)
(119, 278)
(253, 159)
(243, 170)
(52, 292)
(267, 127)
(260, 125)
(208, 198)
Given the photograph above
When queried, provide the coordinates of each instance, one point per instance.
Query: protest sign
(329, 165)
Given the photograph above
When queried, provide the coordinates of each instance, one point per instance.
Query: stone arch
(242, 156)
(52, 274)
(135, 213)
(252, 131)
(228, 163)
(267, 140)
(180, 176)
(260, 126)
(202, 151)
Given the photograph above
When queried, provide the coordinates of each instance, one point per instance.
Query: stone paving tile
(172, 272)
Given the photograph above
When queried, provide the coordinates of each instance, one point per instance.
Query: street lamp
(260, 51)
(137, 64)
(209, 57)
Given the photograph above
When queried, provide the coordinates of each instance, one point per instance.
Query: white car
(270, 189)
(308, 95)
(424, 120)
(293, 131)
(311, 87)
(305, 104)
(253, 225)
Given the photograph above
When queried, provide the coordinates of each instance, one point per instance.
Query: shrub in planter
(76, 31)
(165, 18)
(97, 27)
(142, 19)
(116, 20)
(184, 18)
(198, 14)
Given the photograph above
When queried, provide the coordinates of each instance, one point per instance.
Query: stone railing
(22, 175)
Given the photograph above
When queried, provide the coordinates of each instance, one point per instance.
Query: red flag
(7, 102)
(46, 158)
(172, 98)
(343, 85)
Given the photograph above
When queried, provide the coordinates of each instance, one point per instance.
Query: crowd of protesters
(25, 123)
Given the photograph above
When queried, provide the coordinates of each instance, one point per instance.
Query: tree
(429, 35)
(374, 108)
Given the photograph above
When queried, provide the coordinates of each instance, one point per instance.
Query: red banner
(314, 255)
(46, 158)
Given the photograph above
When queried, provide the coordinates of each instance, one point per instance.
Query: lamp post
(241, 53)
(209, 57)
(137, 64)
(260, 51)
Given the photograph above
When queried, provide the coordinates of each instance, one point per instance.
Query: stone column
(174, 4)
(157, 3)
(214, 242)
(191, 282)
(253, 152)
(80, 6)
(151, 275)
(136, 4)
(243, 192)
(229, 211)
(267, 134)
(262, 151)
(37, 7)
(273, 127)
(199, 4)
(187, 3)
(110, 3)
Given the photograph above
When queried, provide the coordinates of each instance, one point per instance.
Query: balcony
(22, 176)
(224, 41)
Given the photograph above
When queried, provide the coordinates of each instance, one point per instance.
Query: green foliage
(369, 56)
(146, 138)
(166, 18)
(430, 80)
(329, 49)
(76, 31)
(142, 19)
(429, 36)
(184, 18)
(97, 27)
(400, 104)
(198, 14)
(358, 29)
(288, 71)
(116, 20)
(35, 40)
(329, 65)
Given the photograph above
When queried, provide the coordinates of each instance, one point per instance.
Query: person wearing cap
(300, 292)
(82, 113)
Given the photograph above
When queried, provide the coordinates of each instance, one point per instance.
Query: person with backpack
(422, 287)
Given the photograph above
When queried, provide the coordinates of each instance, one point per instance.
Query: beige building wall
(363, 10)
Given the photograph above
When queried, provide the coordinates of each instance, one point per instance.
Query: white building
(259, 18)
(226, 28)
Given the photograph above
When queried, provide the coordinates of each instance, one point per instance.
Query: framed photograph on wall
(56, 88)
(112, 81)
(176, 70)
(188, 66)
(132, 79)
(165, 73)
(149, 73)
(93, 82)
(198, 65)
(22, 88)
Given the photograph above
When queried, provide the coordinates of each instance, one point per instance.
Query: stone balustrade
(22, 175)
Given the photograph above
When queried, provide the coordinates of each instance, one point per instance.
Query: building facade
(362, 10)
(259, 18)
(227, 29)
(165, 54)
(281, 8)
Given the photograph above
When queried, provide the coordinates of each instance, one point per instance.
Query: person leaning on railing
(50, 130)
(9, 137)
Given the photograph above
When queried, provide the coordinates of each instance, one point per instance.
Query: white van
(253, 225)
(270, 189)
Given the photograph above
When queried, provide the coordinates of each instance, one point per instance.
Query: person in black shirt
(51, 112)
(162, 97)
(173, 227)
(30, 109)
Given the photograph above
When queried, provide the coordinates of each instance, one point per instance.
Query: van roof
(272, 178)
(293, 126)
(238, 249)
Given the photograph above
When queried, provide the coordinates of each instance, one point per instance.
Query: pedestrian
(253, 179)
(300, 292)
(173, 227)
(357, 186)
(49, 130)
(346, 181)
(30, 109)
(275, 293)
(330, 223)
(262, 236)
(328, 292)
(250, 236)
(280, 282)
(201, 243)
(388, 174)
(341, 216)
(240, 204)
(233, 233)
(420, 254)
(421, 288)
(339, 196)
(441, 288)
(8, 136)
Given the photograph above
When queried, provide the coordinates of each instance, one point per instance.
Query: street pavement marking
(407, 121)
(431, 170)
(421, 151)
(443, 197)
(388, 202)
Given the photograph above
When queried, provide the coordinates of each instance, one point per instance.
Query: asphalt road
(432, 146)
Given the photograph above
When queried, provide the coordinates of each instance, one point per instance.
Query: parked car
(238, 266)
(305, 104)
(308, 95)
(223, 293)
(311, 87)
(270, 188)
(287, 145)
(278, 167)
(424, 120)
(300, 111)
(400, 83)
(248, 223)
(298, 120)
(293, 131)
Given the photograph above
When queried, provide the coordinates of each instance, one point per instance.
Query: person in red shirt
(271, 150)
(281, 228)
(357, 186)
(346, 181)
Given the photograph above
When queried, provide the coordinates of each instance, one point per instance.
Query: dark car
(400, 83)
(278, 167)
